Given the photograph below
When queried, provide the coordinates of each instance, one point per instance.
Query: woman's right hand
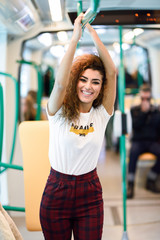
(89, 28)
(77, 32)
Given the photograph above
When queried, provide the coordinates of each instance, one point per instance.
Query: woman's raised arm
(110, 69)
(62, 76)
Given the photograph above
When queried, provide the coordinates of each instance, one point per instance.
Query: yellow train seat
(34, 138)
(147, 156)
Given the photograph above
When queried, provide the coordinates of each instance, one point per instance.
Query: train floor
(143, 211)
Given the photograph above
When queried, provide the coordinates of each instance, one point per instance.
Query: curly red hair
(71, 101)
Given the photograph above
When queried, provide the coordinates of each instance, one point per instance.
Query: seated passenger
(30, 107)
(145, 125)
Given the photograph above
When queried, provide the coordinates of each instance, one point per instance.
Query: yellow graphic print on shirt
(82, 131)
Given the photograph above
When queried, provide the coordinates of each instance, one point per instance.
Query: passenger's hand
(77, 32)
(89, 28)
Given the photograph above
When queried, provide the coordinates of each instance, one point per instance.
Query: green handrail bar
(94, 5)
(121, 93)
(12, 208)
(1, 120)
(39, 92)
(91, 12)
(15, 117)
(13, 166)
(9, 165)
(52, 80)
(79, 7)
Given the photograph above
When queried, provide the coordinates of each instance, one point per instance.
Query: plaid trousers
(72, 203)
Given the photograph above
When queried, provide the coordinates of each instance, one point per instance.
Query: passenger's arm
(110, 69)
(62, 77)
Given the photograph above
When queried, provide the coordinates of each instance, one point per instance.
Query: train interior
(34, 36)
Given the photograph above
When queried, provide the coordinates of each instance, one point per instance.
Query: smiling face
(88, 88)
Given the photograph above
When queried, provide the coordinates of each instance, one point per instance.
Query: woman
(79, 108)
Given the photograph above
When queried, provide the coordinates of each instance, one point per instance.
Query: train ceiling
(18, 17)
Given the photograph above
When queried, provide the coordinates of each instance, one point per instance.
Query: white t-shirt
(74, 148)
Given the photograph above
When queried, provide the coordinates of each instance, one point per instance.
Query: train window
(43, 53)
(136, 66)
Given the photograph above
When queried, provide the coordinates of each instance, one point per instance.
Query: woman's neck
(85, 108)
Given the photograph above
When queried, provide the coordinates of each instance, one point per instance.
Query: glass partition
(45, 51)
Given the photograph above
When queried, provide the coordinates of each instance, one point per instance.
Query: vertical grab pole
(52, 80)
(16, 116)
(94, 5)
(79, 7)
(39, 92)
(121, 92)
(1, 120)
(16, 112)
(5, 165)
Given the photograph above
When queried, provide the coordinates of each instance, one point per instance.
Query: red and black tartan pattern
(72, 203)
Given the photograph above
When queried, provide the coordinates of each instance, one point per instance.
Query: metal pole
(12, 208)
(91, 13)
(16, 113)
(39, 92)
(9, 165)
(79, 7)
(1, 120)
(121, 93)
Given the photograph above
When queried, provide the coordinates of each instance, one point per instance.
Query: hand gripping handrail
(91, 12)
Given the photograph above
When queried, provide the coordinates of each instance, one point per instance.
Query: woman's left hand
(77, 32)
